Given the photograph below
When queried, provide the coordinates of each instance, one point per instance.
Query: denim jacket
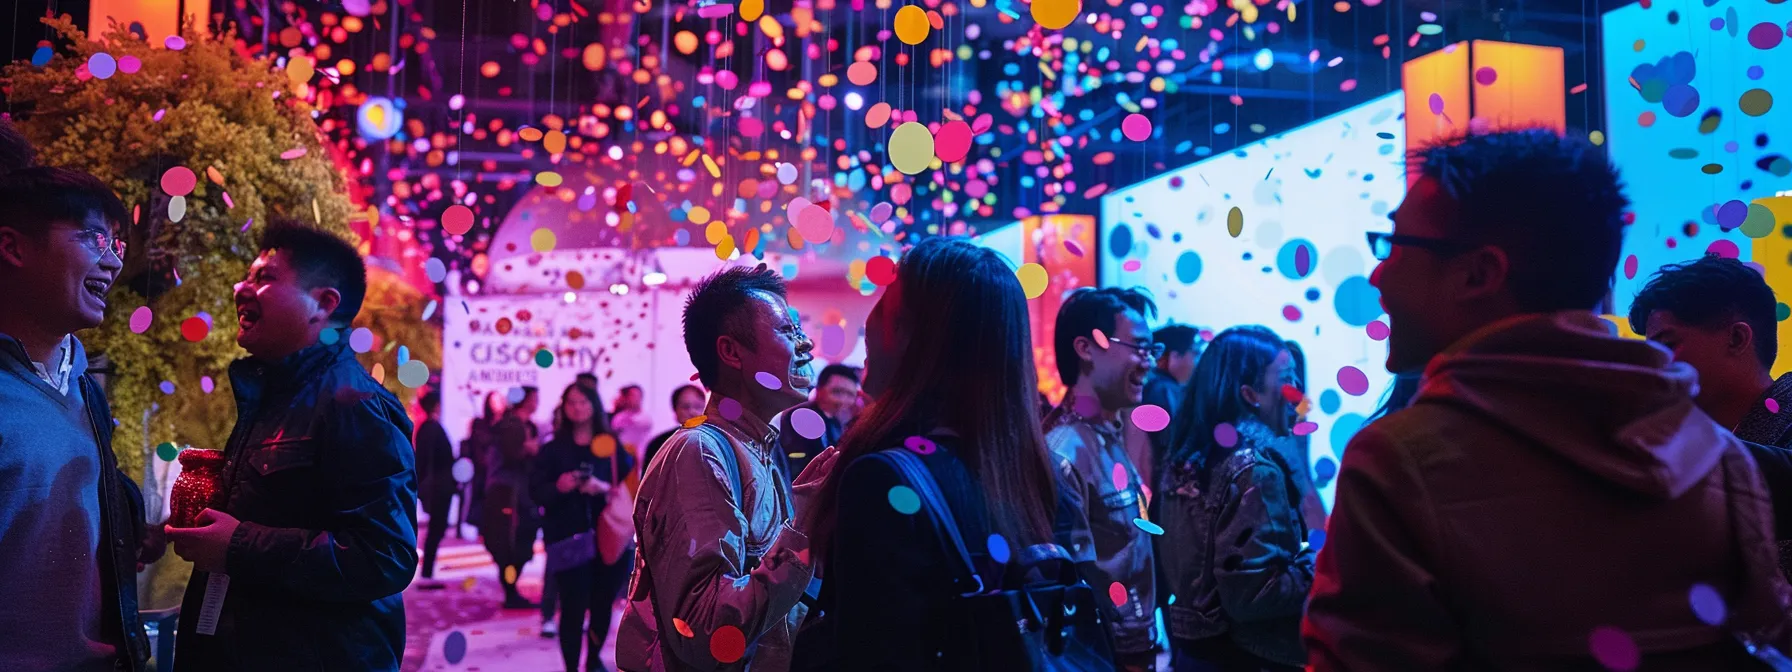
(1092, 460)
(1234, 550)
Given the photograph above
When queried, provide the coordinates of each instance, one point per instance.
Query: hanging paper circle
(911, 25)
(378, 119)
(102, 65)
(815, 223)
(178, 181)
(953, 141)
(862, 73)
(457, 219)
(1056, 14)
(141, 318)
(911, 148)
(877, 116)
(1136, 127)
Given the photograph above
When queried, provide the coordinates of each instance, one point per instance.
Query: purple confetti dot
(1717, 23)
(175, 42)
(730, 409)
(807, 423)
(1291, 313)
(207, 385)
(920, 445)
(1437, 104)
(1353, 381)
(1226, 435)
(1707, 604)
(1305, 428)
(1731, 215)
(167, 387)
(769, 381)
(1773, 406)
(1613, 648)
(1378, 330)
(1764, 36)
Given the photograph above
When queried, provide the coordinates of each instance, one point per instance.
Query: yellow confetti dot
(510, 574)
(1596, 137)
(300, 69)
(699, 214)
(751, 10)
(1056, 14)
(911, 25)
(548, 178)
(725, 248)
(1235, 222)
(911, 148)
(543, 240)
(1032, 279)
(710, 165)
(469, 583)
(715, 232)
(693, 422)
(603, 446)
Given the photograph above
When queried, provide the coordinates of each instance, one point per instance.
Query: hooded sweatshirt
(1552, 500)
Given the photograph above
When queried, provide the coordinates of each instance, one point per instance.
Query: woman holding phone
(572, 479)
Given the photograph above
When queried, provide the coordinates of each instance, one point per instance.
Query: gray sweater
(50, 588)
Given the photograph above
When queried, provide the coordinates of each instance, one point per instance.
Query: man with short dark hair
(1552, 484)
(630, 420)
(1719, 316)
(721, 567)
(687, 403)
(1164, 385)
(435, 476)
(1104, 350)
(71, 524)
(303, 566)
(835, 401)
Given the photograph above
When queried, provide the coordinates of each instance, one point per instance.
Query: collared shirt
(1091, 455)
(64, 357)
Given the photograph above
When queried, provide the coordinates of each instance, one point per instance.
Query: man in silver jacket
(721, 567)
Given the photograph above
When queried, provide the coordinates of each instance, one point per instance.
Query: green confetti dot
(543, 358)
(329, 336)
(1781, 311)
(1759, 223)
(904, 500)
(168, 451)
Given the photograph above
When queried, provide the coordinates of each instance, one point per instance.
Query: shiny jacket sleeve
(369, 550)
(1376, 602)
(1259, 566)
(692, 539)
(1068, 448)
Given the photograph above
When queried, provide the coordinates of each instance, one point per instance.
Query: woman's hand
(568, 481)
(594, 487)
(809, 482)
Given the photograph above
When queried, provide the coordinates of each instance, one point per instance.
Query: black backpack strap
(924, 485)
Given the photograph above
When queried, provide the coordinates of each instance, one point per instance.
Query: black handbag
(1051, 623)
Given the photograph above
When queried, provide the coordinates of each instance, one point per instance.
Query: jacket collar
(251, 377)
(72, 354)
(744, 426)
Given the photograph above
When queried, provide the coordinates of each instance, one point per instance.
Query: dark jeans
(593, 588)
(550, 595)
(437, 510)
(1218, 654)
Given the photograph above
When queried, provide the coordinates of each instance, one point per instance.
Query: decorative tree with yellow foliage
(243, 127)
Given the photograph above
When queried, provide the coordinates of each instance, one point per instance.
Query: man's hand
(205, 546)
(567, 482)
(809, 482)
(155, 544)
(594, 487)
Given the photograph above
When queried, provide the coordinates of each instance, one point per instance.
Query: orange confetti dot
(862, 73)
(682, 627)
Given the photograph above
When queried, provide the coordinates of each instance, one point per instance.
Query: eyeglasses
(1381, 244)
(99, 243)
(1151, 350)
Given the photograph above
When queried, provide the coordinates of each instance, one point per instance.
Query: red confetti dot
(880, 270)
(178, 181)
(457, 219)
(194, 329)
(1117, 593)
(727, 644)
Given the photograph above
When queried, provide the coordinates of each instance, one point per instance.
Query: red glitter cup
(199, 487)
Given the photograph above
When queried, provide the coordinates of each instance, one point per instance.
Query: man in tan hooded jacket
(1553, 499)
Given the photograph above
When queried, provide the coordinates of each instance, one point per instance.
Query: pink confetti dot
(1225, 434)
(206, 384)
(1378, 330)
(1120, 479)
(769, 380)
(953, 142)
(1630, 263)
(1101, 339)
(921, 445)
(816, 224)
(1131, 265)
(1772, 405)
(178, 181)
(1291, 313)
(1614, 649)
(715, 11)
(1353, 381)
(293, 153)
(142, 317)
(1723, 248)
(1151, 418)
(730, 408)
(1136, 127)
(129, 64)
(175, 42)
(1117, 593)
(1305, 428)
(457, 219)
(1437, 104)
(1486, 76)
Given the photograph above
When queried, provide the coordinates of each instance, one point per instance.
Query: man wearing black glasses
(1104, 350)
(71, 525)
(1552, 499)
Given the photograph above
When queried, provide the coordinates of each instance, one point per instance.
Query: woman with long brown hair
(950, 367)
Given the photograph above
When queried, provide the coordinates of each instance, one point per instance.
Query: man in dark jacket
(62, 496)
(302, 568)
(1719, 316)
(836, 399)
(435, 467)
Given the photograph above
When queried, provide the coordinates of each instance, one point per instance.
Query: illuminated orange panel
(1042, 243)
(1527, 91)
(160, 18)
(1444, 73)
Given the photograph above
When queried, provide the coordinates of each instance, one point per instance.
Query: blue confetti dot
(454, 649)
(1120, 241)
(1188, 267)
(1707, 604)
(329, 336)
(1148, 526)
(682, 237)
(1312, 293)
(1358, 303)
(998, 549)
(1316, 539)
(1325, 469)
(41, 57)
(1754, 71)
(1329, 401)
(1345, 427)
(904, 500)
(167, 387)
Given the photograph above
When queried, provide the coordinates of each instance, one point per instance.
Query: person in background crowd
(1719, 316)
(15, 151)
(687, 403)
(1164, 385)
(719, 553)
(318, 535)
(67, 606)
(510, 517)
(435, 477)
(630, 420)
(572, 483)
(970, 390)
(1104, 351)
(586, 380)
(481, 442)
(1297, 450)
(1552, 484)
(836, 401)
(1234, 545)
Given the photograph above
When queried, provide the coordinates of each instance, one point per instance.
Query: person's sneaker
(550, 629)
(519, 602)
